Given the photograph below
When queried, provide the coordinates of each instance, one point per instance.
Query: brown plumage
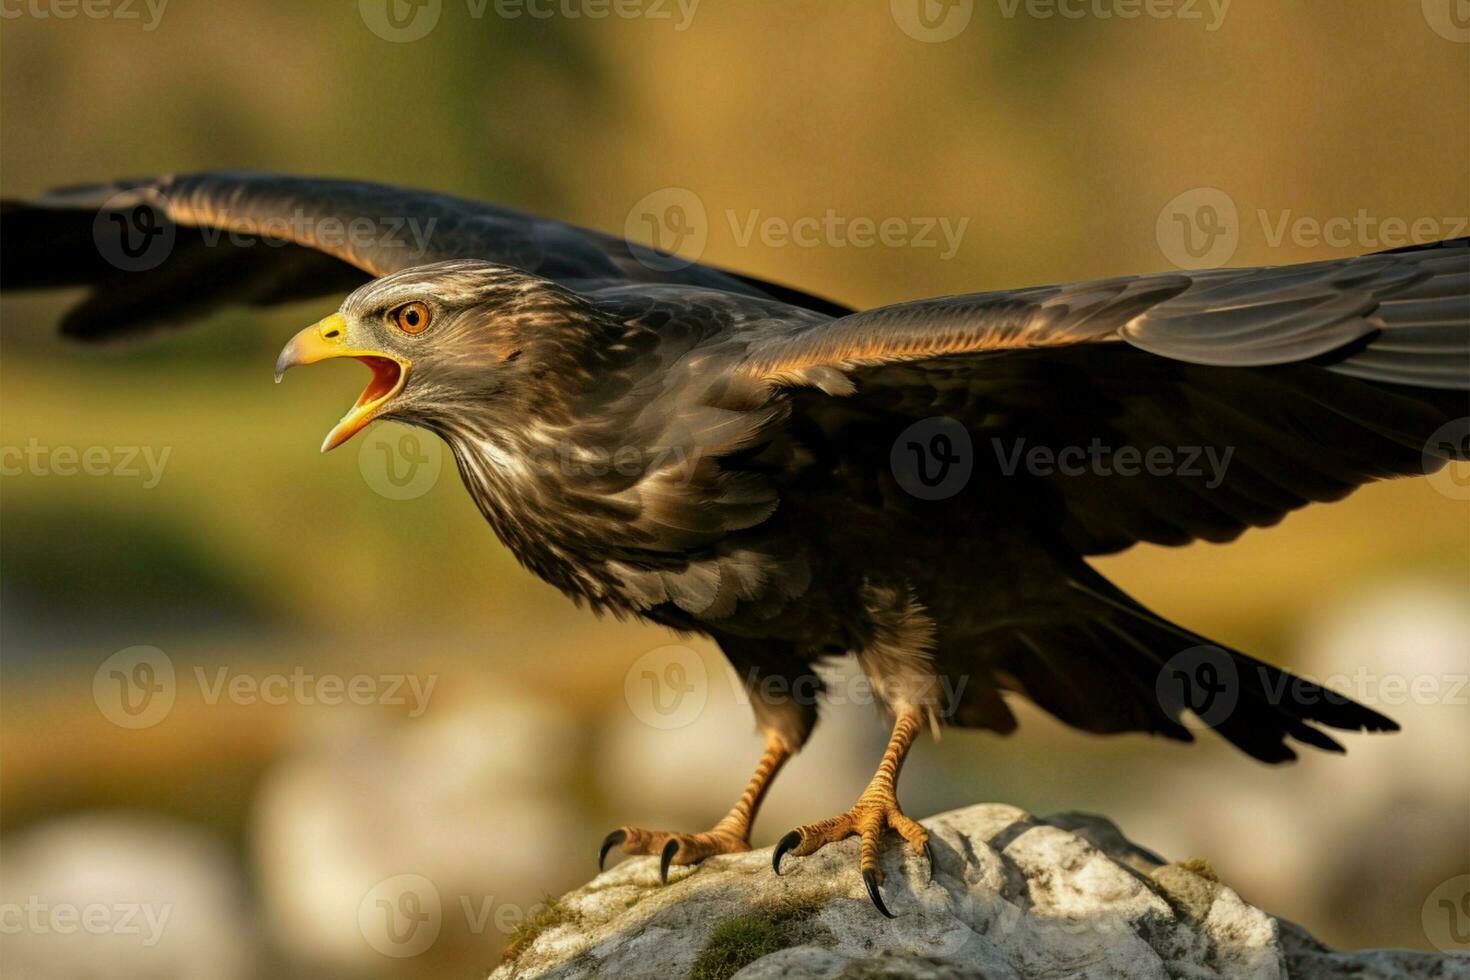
(727, 456)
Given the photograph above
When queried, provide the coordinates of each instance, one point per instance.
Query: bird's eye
(411, 317)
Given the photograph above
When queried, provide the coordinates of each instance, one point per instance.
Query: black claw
(785, 844)
(608, 843)
(870, 878)
(670, 849)
(929, 854)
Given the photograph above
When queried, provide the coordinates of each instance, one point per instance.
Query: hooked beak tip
(336, 437)
(325, 340)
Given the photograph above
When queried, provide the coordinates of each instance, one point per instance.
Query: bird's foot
(875, 811)
(673, 848)
(730, 836)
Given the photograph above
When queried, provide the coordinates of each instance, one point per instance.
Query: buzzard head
(445, 343)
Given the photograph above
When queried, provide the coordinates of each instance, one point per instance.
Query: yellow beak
(328, 338)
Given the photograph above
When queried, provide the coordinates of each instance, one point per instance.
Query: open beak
(328, 338)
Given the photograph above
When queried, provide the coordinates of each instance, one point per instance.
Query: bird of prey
(918, 485)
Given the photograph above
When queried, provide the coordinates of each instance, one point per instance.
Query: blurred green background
(1060, 139)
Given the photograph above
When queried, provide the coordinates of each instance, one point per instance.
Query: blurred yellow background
(1059, 140)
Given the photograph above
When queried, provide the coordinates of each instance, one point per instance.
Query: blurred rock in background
(477, 800)
(123, 896)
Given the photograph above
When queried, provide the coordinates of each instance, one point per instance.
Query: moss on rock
(735, 944)
(552, 912)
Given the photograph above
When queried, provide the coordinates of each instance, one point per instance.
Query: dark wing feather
(217, 258)
(1314, 378)
(1412, 303)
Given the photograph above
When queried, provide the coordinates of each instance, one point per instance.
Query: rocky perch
(1013, 897)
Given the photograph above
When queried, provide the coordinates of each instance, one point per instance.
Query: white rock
(122, 896)
(1012, 897)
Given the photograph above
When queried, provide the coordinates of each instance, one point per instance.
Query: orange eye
(411, 317)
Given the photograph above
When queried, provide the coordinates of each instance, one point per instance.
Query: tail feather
(1252, 704)
(1102, 662)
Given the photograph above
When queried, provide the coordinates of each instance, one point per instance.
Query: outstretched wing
(1256, 390)
(165, 250)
